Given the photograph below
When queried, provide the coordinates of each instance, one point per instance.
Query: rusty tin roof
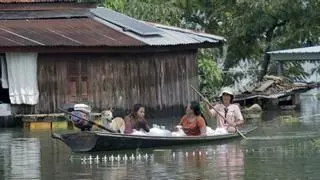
(90, 28)
(62, 32)
(44, 1)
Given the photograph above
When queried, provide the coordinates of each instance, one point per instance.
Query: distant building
(273, 93)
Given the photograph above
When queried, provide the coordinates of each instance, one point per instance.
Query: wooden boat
(105, 141)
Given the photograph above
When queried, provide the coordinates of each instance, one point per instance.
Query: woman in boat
(135, 120)
(232, 117)
(193, 124)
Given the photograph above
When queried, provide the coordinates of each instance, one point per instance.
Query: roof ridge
(184, 30)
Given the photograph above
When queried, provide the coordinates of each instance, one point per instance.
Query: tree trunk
(266, 59)
(265, 63)
(269, 36)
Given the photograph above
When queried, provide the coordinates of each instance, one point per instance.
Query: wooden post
(296, 98)
(280, 68)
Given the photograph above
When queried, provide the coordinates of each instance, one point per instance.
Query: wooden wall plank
(156, 80)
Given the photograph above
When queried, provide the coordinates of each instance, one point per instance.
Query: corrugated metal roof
(44, 14)
(307, 53)
(61, 32)
(37, 1)
(72, 28)
(313, 49)
(198, 34)
(170, 36)
(7, 7)
(126, 22)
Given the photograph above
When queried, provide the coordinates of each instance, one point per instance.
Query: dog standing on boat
(117, 124)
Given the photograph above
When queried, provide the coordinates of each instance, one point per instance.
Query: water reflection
(282, 160)
(225, 161)
(25, 158)
(20, 157)
(230, 161)
(310, 107)
(4, 154)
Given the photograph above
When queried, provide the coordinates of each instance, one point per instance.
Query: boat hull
(104, 141)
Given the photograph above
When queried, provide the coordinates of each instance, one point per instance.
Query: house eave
(103, 49)
(295, 56)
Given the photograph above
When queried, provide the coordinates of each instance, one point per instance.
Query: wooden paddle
(94, 123)
(215, 109)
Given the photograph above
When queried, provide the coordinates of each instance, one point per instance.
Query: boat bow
(78, 141)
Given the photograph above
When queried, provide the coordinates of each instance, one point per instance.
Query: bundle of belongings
(157, 130)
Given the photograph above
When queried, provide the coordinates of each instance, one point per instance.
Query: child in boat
(193, 123)
(135, 120)
(232, 117)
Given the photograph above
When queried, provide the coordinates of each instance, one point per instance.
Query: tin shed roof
(178, 36)
(92, 27)
(35, 5)
(170, 35)
(45, 1)
(61, 32)
(44, 14)
(306, 53)
(312, 49)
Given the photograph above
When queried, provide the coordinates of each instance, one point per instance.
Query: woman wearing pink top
(231, 113)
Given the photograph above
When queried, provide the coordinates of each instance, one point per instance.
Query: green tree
(210, 75)
(253, 27)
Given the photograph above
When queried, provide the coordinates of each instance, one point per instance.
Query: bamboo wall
(160, 81)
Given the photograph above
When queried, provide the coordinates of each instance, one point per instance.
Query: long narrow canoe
(105, 141)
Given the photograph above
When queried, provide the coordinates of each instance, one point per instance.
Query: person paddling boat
(232, 117)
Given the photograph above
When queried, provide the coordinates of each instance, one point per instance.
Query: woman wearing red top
(192, 123)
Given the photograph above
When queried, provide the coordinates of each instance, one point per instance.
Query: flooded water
(281, 148)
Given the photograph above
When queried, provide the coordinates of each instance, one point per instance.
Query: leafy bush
(210, 75)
